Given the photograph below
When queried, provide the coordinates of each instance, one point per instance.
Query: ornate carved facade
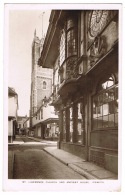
(87, 56)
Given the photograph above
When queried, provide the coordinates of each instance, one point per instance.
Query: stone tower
(41, 78)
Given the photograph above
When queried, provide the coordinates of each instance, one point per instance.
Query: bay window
(68, 40)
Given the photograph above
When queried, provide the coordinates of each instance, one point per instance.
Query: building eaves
(50, 47)
(11, 91)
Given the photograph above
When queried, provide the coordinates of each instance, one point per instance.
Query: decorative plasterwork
(97, 50)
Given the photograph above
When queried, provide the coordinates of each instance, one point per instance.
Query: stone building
(41, 78)
(81, 46)
(41, 89)
(21, 125)
(12, 113)
(45, 121)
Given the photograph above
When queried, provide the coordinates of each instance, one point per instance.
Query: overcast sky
(22, 24)
(21, 20)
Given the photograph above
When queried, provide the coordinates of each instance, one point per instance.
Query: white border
(107, 185)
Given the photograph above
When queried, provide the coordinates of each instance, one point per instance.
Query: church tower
(41, 78)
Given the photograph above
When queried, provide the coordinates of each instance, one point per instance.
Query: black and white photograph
(62, 64)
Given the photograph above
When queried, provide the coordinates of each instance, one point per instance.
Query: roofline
(10, 90)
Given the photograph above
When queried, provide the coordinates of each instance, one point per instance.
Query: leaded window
(68, 41)
(71, 38)
(71, 43)
(64, 125)
(71, 124)
(105, 105)
(79, 124)
(62, 47)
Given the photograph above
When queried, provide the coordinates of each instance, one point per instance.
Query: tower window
(44, 84)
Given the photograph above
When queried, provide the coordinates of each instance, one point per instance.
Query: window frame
(44, 85)
(64, 122)
(80, 101)
(102, 92)
(66, 30)
(62, 40)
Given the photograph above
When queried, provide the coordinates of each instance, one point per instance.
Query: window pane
(64, 126)
(95, 111)
(100, 122)
(95, 104)
(105, 121)
(71, 43)
(105, 109)
(62, 48)
(71, 124)
(111, 120)
(80, 131)
(105, 106)
(80, 126)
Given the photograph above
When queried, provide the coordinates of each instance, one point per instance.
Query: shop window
(71, 125)
(79, 124)
(105, 105)
(64, 125)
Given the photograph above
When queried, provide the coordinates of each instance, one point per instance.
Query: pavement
(87, 169)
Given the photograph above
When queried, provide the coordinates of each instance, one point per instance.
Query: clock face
(97, 21)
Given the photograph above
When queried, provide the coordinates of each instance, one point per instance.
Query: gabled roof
(11, 91)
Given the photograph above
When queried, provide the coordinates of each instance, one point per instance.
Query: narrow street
(31, 162)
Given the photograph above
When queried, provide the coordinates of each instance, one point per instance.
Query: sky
(21, 20)
(22, 24)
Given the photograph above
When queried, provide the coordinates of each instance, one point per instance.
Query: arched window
(44, 84)
(105, 105)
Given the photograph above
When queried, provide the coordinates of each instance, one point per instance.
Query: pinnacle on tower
(35, 33)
